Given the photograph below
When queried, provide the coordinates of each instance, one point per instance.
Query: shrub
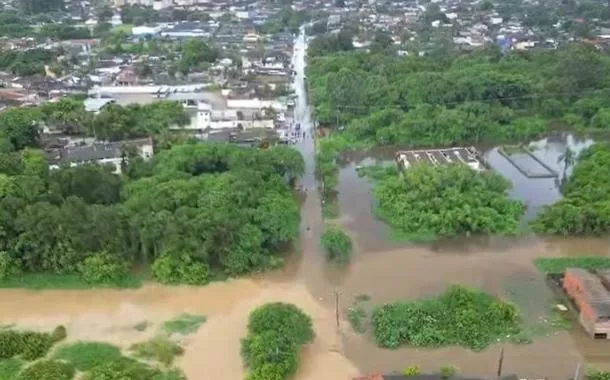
(10, 344)
(169, 269)
(447, 372)
(87, 355)
(48, 370)
(286, 319)
(103, 268)
(337, 244)
(267, 372)
(31, 345)
(270, 347)
(183, 324)
(124, 369)
(172, 374)
(410, 371)
(275, 333)
(59, 334)
(35, 345)
(460, 316)
(160, 348)
(595, 374)
(9, 267)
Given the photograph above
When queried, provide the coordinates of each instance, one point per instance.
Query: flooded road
(381, 268)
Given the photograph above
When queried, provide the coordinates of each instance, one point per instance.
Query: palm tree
(568, 158)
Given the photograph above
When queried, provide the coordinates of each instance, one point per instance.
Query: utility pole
(337, 308)
(500, 362)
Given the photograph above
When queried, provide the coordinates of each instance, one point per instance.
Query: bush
(460, 316)
(103, 268)
(172, 374)
(169, 269)
(270, 347)
(283, 318)
(29, 344)
(124, 369)
(9, 267)
(87, 355)
(35, 345)
(10, 344)
(410, 371)
(337, 244)
(160, 349)
(447, 372)
(59, 334)
(47, 370)
(276, 331)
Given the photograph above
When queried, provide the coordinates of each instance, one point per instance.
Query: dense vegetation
(276, 332)
(337, 244)
(20, 127)
(585, 208)
(560, 264)
(459, 316)
(429, 202)
(456, 98)
(200, 210)
(95, 360)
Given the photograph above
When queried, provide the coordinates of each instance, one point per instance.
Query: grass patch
(560, 264)
(141, 326)
(357, 318)
(330, 208)
(87, 355)
(9, 368)
(65, 281)
(183, 324)
(537, 305)
(159, 348)
(512, 149)
(458, 317)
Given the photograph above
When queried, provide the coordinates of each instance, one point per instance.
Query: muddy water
(382, 269)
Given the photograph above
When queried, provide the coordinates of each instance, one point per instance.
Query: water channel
(381, 268)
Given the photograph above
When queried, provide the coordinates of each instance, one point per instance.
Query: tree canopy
(200, 209)
(447, 201)
(444, 99)
(585, 208)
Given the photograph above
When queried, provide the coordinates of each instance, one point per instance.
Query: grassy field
(9, 368)
(87, 355)
(38, 281)
(560, 264)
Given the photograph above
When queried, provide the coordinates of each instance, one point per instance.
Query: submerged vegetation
(276, 332)
(183, 324)
(447, 201)
(95, 360)
(459, 316)
(194, 212)
(337, 244)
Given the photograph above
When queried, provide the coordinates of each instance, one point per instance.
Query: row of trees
(456, 98)
(585, 208)
(20, 127)
(198, 210)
